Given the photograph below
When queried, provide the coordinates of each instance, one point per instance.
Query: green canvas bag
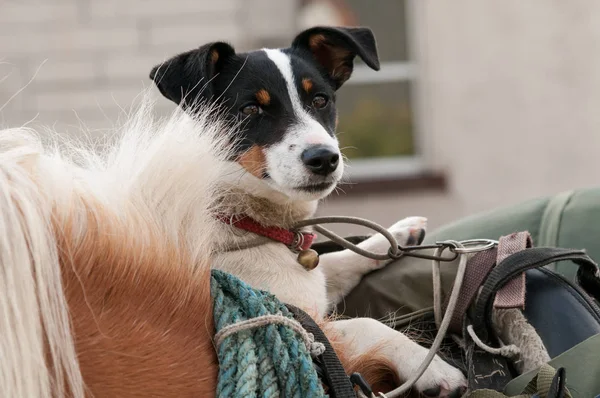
(403, 289)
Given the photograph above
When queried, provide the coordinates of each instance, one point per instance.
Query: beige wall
(508, 94)
(83, 60)
(513, 92)
(509, 101)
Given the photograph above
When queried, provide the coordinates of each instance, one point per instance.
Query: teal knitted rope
(268, 361)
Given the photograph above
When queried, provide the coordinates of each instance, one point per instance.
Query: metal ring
(398, 254)
(474, 246)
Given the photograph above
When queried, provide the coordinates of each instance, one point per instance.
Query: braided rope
(266, 359)
(315, 348)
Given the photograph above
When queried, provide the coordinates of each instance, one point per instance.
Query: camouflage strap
(548, 383)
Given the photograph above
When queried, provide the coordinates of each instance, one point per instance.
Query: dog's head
(283, 100)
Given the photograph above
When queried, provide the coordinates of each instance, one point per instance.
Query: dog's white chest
(274, 268)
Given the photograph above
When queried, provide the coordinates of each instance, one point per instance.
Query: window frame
(401, 166)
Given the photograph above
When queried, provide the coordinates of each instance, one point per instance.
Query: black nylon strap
(335, 376)
(559, 384)
(520, 262)
(330, 247)
(590, 282)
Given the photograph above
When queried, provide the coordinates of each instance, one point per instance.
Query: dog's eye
(319, 102)
(251, 109)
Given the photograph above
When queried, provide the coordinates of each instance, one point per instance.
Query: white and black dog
(285, 158)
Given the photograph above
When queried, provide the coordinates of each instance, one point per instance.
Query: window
(376, 127)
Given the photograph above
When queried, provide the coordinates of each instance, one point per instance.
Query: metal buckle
(474, 246)
(298, 242)
(412, 251)
(470, 246)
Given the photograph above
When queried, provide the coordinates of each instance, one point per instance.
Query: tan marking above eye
(263, 97)
(254, 161)
(307, 84)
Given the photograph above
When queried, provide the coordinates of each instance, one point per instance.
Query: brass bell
(309, 259)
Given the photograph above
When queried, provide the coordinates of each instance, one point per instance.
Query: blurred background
(479, 103)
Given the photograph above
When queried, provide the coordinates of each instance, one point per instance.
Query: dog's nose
(321, 159)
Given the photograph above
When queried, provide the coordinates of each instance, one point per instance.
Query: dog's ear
(187, 77)
(335, 49)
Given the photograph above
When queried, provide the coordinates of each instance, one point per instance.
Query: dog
(106, 255)
(285, 158)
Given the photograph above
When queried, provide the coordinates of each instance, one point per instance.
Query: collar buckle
(298, 242)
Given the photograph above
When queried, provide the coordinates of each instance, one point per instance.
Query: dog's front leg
(344, 269)
(366, 337)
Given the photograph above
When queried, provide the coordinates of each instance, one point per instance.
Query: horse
(106, 257)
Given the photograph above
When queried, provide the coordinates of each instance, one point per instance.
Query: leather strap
(329, 246)
(512, 295)
(330, 366)
(478, 268)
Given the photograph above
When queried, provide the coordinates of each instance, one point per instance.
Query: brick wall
(83, 60)
(508, 95)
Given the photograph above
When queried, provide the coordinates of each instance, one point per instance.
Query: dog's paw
(409, 231)
(442, 380)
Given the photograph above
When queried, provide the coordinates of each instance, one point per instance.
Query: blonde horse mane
(155, 182)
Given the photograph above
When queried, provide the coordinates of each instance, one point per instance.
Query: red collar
(295, 240)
